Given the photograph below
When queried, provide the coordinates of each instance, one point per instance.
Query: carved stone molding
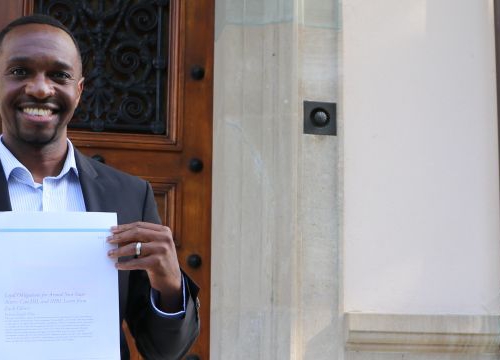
(423, 333)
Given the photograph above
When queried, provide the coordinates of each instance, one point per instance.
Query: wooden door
(163, 135)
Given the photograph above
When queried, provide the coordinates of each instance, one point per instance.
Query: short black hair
(38, 19)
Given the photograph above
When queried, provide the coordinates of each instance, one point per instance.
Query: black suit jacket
(108, 190)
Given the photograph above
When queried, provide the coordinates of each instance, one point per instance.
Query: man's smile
(37, 111)
(38, 114)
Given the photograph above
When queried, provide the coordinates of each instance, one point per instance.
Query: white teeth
(37, 111)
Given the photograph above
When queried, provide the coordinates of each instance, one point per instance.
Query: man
(40, 87)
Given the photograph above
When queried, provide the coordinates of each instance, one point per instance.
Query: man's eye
(61, 75)
(19, 72)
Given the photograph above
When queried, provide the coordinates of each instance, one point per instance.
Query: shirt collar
(10, 162)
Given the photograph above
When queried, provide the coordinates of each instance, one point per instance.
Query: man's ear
(80, 87)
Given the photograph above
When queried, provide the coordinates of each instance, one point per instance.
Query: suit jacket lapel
(93, 192)
(4, 192)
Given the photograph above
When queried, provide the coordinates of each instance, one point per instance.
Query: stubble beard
(38, 136)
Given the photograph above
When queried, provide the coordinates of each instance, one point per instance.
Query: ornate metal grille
(123, 52)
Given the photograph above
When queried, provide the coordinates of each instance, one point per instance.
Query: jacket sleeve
(159, 337)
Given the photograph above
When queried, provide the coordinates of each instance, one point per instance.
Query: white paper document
(58, 288)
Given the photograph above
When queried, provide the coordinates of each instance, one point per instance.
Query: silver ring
(138, 249)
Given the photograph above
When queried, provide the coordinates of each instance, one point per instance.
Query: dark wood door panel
(139, 162)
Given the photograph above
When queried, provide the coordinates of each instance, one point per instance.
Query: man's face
(40, 85)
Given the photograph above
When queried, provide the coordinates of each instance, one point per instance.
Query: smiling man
(40, 87)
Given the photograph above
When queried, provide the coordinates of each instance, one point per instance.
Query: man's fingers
(157, 253)
(130, 249)
(143, 232)
(137, 225)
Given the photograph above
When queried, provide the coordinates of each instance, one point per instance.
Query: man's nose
(40, 87)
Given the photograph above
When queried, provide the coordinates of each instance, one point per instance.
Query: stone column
(275, 277)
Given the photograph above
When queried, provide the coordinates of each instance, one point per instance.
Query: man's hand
(157, 257)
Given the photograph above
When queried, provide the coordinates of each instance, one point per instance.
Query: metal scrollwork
(122, 45)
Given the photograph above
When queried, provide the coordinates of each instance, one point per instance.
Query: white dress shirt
(55, 193)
